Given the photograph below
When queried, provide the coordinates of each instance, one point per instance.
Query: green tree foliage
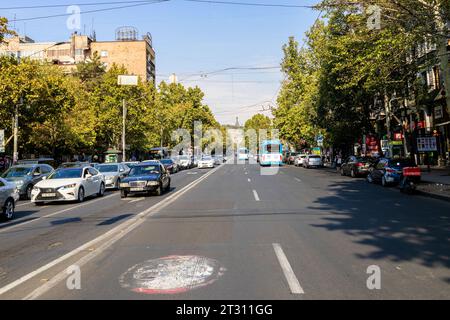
(346, 71)
(64, 114)
(4, 30)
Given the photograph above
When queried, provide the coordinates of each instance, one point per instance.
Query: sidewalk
(434, 184)
(436, 175)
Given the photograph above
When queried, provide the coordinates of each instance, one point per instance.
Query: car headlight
(124, 185)
(109, 177)
(69, 186)
(152, 183)
(36, 189)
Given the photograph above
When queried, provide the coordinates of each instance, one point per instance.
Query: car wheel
(384, 182)
(101, 192)
(28, 192)
(123, 194)
(342, 172)
(352, 173)
(117, 184)
(80, 194)
(369, 178)
(168, 187)
(8, 210)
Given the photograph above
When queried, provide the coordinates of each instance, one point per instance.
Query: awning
(442, 124)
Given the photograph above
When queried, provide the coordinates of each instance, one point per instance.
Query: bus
(158, 153)
(243, 154)
(271, 153)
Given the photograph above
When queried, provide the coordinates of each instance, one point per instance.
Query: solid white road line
(297, 179)
(292, 280)
(255, 194)
(55, 213)
(114, 235)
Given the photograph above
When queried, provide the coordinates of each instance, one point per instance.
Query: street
(299, 234)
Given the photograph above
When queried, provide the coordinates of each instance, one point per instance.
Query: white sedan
(69, 184)
(206, 162)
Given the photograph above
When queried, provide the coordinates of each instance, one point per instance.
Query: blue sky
(193, 38)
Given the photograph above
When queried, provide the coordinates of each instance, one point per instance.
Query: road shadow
(397, 227)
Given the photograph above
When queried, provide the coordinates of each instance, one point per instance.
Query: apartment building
(136, 55)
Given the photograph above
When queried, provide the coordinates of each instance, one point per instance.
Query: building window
(78, 52)
(103, 53)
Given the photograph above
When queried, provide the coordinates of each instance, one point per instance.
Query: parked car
(313, 160)
(75, 164)
(114, 173)
(146, 178)
(206, 162)
(185, 162)
(388, 171)
(131, 164)
(218, 160)
(170, 165)
(8, 198)
(50, 161)
(291, 157)
(356, 166)
(299, 160)
(69, 184)
(26, 176)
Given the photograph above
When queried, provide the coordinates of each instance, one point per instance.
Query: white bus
(243, 154)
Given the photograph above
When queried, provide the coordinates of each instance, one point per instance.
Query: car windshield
(166, 161)
(207, 158)
(184, 158)
(66, 173)
(314, 157)
(107, 168)
(144, 170)
(17, 172)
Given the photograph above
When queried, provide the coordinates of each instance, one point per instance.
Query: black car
(356, 166)
(170, 165)
(388, 171)
(147, 177)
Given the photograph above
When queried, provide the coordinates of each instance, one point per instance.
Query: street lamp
(125, 80)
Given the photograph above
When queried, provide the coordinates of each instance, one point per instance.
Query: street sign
(2, 140)
(126, 80)
(426, 144)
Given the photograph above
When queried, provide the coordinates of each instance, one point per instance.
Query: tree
(257, 122)
(4, 30)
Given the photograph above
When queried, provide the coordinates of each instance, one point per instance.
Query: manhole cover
(171, 275)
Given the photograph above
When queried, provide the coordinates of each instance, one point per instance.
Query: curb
(432, 195)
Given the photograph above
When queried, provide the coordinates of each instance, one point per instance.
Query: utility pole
(16, 131)
(124, 120)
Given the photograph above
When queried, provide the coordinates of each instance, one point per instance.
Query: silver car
(8, 198)
(313, 160)
(26, 176)
(114, 173)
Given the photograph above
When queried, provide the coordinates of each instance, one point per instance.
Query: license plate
(136, 189)
(48, 195)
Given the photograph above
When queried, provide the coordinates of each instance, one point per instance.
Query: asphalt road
(232, 233)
